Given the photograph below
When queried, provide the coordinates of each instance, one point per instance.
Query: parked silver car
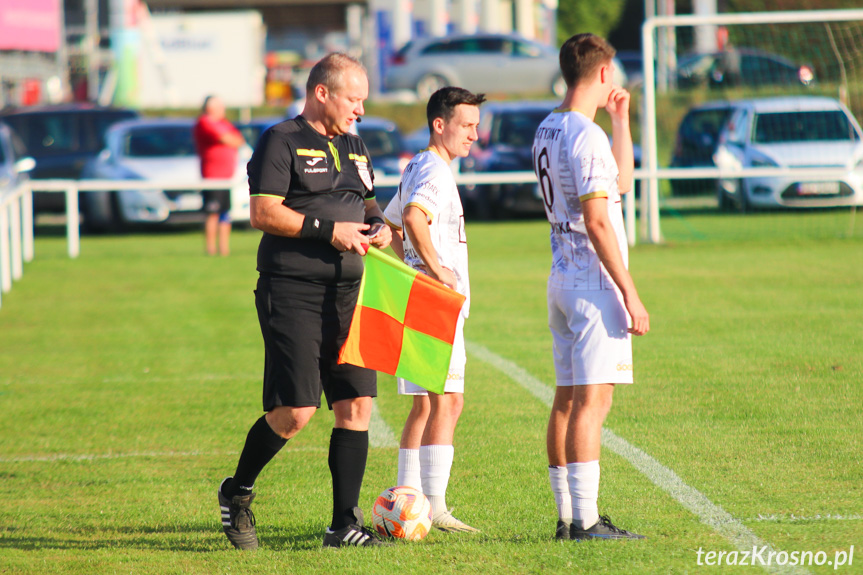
(489, 63)
(793, 132)
(152, 149)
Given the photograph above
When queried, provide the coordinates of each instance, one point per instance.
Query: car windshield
(517, 129)
(48, 134)
(252, 133)
(159, 141)
(467, 46)
(380, 142)
(815, 126)
(700, 122)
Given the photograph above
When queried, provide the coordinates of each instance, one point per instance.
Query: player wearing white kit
(593, 305)
(428, 220)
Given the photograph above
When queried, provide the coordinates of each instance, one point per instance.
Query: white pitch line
(380, 434)
(792, 517)
(696, 502)
(131, 454)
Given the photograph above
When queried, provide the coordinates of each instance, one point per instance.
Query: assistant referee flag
(404, 323)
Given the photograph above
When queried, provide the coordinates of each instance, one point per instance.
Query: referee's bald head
(330, 70)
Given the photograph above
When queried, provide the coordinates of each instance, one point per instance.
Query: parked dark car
(253, 129)
(697, 139)
(506, 132)
(62, 138)
(632, 62)
(741, 66)
(388, 153)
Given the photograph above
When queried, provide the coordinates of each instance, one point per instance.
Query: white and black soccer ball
(402, 512)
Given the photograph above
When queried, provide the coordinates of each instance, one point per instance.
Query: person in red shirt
(217, 141)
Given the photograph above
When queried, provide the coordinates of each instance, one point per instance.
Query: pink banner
(30, 25)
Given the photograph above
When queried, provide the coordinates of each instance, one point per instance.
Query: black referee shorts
(304, 325)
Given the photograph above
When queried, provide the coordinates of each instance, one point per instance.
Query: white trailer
(186, 57)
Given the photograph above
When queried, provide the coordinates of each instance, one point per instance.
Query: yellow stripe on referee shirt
(312, 153)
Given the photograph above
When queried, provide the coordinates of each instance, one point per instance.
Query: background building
(99, 50)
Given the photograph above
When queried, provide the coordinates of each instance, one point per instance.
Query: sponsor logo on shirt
(363, 170)
(561, 227)
(317, 156)
(428, 192)
(548, 133)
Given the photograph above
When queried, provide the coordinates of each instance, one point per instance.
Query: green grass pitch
(130, 376)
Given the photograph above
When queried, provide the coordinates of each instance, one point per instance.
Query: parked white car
(160, 150)
(15, 164)
(793, 132)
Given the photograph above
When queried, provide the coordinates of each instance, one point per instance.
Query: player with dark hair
(312, 195)
(593, 306)
(428, 220)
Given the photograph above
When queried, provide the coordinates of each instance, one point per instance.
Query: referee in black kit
(311, 190)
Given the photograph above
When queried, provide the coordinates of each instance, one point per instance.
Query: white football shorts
(455, 377)
(591, 341)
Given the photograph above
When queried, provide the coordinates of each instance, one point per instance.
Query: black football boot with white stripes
(353, 535)
(238, 521)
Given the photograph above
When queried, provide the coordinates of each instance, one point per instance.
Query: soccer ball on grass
(402, 512)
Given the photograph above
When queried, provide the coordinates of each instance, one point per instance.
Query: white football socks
(583, 481)
(560, 489)
(435, 467)
(409, 468)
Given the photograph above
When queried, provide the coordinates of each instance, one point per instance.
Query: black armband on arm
(317, 229)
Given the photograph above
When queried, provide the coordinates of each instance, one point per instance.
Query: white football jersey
(428, 184)
(573, 162)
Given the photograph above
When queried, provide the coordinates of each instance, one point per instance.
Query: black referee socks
(348, 453)
(262, 444)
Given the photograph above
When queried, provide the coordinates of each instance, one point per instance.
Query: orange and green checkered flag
(404, 323)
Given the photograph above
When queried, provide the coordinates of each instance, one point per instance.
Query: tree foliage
(774, 5)
(598, 17)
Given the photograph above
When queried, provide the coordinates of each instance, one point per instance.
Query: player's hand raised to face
(618, 103)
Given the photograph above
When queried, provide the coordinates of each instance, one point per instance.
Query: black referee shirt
(317, 176)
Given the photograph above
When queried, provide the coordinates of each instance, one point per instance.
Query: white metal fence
(17, 222)
(16, 235)
(71, 188)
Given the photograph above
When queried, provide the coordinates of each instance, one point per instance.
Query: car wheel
(724, 202)
(101, 211)
(558, 86)
(488, 205)
(743, 204)
(429, 84)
